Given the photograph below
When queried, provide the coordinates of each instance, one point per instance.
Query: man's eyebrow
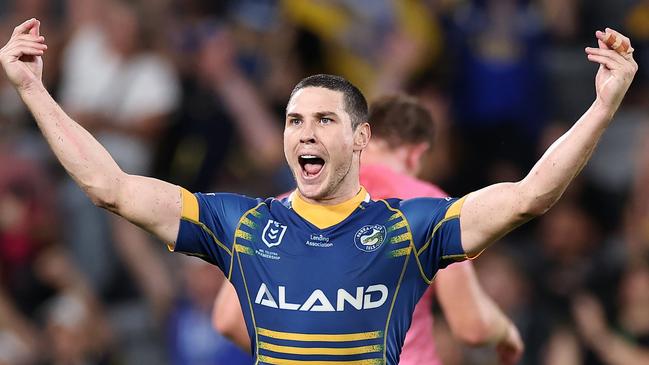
(294, 115)
(324, 114)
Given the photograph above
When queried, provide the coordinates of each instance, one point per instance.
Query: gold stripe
(400, 238)
(399, 252)
(343, 337)
(244, 249)
(248, 223)
(397, 226)
(249, 211)
(454, 257)
(190, 205)
(398, 213)
(243, 234)
(320, 350)
(394, 216)
(276, 361)
(455, 208)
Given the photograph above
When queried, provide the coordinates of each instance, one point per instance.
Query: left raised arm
(490, 213)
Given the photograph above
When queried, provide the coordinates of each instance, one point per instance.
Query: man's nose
(307, 134)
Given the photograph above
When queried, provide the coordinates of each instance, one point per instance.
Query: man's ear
(362, 136)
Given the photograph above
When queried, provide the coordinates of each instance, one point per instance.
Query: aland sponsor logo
(373, 296)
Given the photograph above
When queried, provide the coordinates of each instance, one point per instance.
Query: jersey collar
(325, 216)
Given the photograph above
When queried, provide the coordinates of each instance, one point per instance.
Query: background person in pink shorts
(401, 133)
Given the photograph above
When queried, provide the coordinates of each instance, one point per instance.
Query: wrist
(30, 88)
(603, 110)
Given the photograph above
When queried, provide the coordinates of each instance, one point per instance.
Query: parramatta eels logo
(370, 238)
(273, 233)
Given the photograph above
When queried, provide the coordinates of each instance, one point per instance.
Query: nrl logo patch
(370, 238)
(273, 233)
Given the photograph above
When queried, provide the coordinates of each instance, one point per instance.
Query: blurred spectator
(27, 226)
(628, 342)
(117, 83)
(499, 93)
(636, 219)
(504, 280)
(133, 88)
(76, 329)
(375, 44)
(19, 339)
(219, 101)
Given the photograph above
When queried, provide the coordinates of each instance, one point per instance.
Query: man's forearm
(85, 159)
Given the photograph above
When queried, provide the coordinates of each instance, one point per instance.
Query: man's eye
(325, 120)
(295, 122)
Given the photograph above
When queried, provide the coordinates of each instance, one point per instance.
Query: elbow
(101, 200)
(534, 204)
(478, 335)
(103, 192)
(534, 208)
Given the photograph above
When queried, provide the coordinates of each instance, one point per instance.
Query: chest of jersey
(292, 268)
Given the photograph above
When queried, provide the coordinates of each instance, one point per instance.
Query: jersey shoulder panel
(435, 226)
(208, 226)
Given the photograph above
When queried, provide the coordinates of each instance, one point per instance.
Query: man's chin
(312, 192)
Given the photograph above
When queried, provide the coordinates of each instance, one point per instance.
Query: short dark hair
(400, 119)
(354, 102)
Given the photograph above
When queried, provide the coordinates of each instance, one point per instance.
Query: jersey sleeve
(207, 225)
(435, 227)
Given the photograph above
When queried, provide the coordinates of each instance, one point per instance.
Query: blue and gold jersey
(325, 285)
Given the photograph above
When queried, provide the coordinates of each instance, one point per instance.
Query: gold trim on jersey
(400, 252)
(190, 209)
(325, 216)
(276, 361)
(338, 337)
(238, 233)
(244, 249)
(293, 350)
(455, 208)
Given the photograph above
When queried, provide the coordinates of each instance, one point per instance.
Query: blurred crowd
(193, 92)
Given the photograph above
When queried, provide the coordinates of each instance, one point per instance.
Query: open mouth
(311, 165)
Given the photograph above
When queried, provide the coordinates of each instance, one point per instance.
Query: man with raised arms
(402, 130)
(327, 275)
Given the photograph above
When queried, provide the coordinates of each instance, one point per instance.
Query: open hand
(616, 71)
(21, 56)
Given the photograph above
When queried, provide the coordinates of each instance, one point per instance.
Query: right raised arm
(149, 203)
